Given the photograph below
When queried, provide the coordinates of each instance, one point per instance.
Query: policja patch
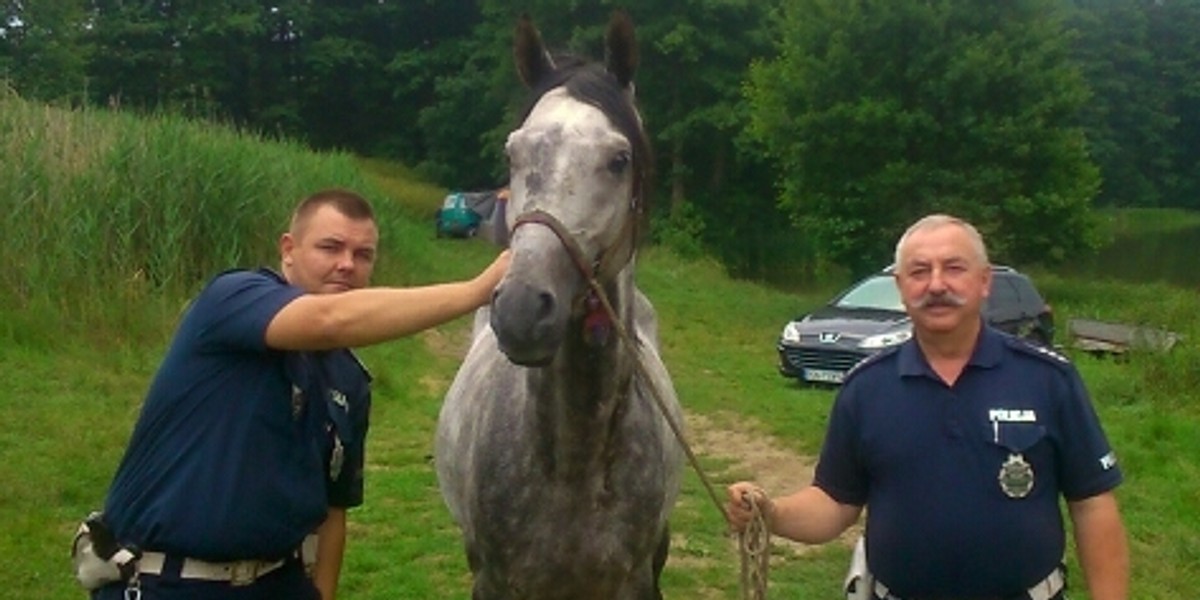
(1016, 476)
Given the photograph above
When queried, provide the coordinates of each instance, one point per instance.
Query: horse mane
(591, 84)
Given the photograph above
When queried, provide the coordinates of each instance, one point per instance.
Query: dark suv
(822, 346)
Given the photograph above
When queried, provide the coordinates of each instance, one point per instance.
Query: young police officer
(252, 432)
(960, 441)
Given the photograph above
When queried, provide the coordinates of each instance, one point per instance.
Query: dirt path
(752, 454)
(756, 456)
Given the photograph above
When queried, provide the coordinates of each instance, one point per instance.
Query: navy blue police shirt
(925, 459)
(240, 449)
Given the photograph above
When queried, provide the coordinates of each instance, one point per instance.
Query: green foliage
(42, 48)
(879, 112)
(681, 232)
(465, 143)
(694, 58)
(342, 53)
(1143, 118)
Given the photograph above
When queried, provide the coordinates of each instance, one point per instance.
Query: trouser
(289, 582)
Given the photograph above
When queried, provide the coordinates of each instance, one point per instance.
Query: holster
(98, 558)
(859, 583)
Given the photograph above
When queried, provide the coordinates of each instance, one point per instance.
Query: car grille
(831, 359)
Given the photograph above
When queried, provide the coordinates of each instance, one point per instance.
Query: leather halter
(599, 315)
(606, 265)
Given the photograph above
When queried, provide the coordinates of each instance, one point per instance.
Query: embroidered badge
(1108, 461)
(339, 399)
(1016, 476)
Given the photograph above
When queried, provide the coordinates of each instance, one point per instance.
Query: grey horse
(552, 453)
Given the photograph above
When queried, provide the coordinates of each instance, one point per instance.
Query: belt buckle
(243, 572)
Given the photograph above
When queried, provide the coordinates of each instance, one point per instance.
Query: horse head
(577, 165)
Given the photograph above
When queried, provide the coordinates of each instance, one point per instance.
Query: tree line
(792, 136)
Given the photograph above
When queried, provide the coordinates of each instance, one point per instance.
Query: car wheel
(471, 231)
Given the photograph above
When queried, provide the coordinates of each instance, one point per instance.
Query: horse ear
(533, 62)
(620, 44)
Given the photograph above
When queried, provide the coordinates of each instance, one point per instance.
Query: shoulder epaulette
(870, 360)
(1037, 350)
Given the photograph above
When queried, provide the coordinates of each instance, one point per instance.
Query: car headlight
(884, 340)
(791, 333)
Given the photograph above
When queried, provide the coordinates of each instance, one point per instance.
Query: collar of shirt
(989, 352)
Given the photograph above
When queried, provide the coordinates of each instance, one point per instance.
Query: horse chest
(568, 551)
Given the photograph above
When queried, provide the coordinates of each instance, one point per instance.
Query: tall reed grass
(101, 204)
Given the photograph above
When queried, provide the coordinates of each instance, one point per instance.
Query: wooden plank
(1101, 336)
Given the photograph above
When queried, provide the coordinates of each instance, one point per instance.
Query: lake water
(1170, 257)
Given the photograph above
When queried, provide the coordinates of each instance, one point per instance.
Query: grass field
(81, 333)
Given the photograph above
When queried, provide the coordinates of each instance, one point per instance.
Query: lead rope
(755, 548)
(755, 542)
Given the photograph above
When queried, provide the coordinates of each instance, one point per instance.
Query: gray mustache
(944, 299)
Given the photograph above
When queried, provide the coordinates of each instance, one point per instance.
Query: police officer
(252, 432)
(960, 441)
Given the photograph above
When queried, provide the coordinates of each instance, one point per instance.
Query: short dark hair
(349, 203)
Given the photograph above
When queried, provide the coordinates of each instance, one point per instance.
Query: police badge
(1016, 476)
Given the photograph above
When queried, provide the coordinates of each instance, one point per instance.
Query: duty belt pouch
(97, 557)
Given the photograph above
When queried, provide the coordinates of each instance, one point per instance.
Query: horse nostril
(545, 305)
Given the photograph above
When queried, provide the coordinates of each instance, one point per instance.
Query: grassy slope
(73, 392)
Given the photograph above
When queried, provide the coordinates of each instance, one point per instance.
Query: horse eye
(618, 163)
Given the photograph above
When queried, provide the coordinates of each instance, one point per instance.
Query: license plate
(824, 375)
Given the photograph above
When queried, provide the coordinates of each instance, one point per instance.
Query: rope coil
(755, 546)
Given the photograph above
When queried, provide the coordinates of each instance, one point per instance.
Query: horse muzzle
(529, 321)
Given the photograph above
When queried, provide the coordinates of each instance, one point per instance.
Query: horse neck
(585, 389)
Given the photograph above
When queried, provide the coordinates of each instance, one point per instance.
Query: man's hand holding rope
(747, 501)
(747, 511)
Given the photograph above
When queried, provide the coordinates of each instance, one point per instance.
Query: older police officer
(252, 432)
(960, 441)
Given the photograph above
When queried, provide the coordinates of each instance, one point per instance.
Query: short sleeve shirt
(927, 459)
(232, 456)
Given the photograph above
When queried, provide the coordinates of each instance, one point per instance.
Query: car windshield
(453, 201)
(877, 293)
